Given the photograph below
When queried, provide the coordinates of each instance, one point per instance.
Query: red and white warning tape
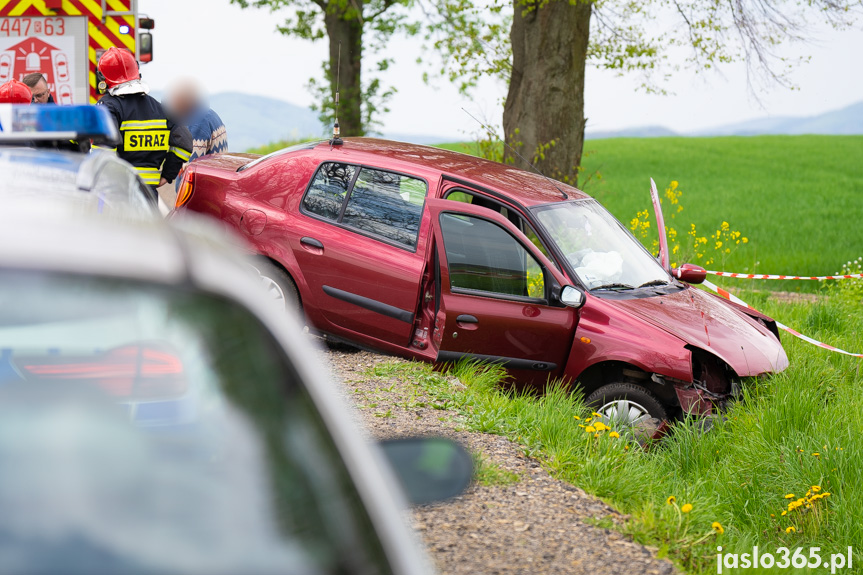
(775, 277)
(797, 334)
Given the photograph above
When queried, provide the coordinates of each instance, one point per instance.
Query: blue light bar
(23, 123)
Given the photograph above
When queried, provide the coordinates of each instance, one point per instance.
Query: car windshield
(153, 430)
(601, 252)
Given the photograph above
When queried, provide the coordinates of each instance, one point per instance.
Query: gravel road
(533, 525)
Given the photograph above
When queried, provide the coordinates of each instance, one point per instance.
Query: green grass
(737, 474)
(797, 198)
(488, 473)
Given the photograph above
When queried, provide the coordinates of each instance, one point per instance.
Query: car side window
(327, 193)
(518, 221)
(386, 204)
(484, 257)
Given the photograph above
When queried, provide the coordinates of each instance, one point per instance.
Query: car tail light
(135, 371)
(187, 186)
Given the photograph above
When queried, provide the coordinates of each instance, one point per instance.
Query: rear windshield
(288, 150)
(153, 430)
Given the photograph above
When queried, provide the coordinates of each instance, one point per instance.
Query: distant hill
(257, 120)
(846, 121)
(642, 132)
(254, 121)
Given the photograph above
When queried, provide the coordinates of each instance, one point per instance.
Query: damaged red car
(434, 255)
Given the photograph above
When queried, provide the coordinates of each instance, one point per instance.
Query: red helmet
(15, 92)
(118, 66)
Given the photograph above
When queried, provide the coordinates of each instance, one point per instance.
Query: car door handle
(312, 242)
(312, 245)
(465, 318)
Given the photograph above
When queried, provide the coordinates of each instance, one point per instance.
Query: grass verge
(797, 434)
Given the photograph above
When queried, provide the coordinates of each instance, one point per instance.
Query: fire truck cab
(63, 40)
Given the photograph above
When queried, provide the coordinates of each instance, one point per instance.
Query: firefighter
(15, 92)
(149, 139)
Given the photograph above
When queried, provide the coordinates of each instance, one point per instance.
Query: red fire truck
(63, 39)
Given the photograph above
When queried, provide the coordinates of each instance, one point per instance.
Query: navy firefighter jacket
(152, 142)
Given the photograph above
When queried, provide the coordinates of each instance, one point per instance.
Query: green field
(799, 199)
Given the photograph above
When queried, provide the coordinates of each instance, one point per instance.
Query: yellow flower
(717, 526)
(744, 240)
(600, 426)
(816, 454)
(671, 499)
(576, 417)
(614, 434)
(789, 496)
(784, 513)
(790, 529)
(596, 414)
(590, 429)
(687, 507)
(816, 488)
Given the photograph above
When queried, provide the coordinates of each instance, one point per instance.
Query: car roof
(525, 187)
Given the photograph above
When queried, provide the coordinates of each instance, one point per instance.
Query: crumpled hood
(709, 323)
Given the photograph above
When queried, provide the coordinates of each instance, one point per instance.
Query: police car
(157, 417)
(32, 166)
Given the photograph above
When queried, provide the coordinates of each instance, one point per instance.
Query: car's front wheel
(626, 404)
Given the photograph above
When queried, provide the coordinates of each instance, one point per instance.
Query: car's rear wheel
(280, 287)
(626, 404)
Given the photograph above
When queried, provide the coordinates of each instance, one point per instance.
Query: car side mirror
(690, 273)
(572, 297)
(429, 468)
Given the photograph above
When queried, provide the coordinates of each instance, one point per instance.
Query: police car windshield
(99, 185)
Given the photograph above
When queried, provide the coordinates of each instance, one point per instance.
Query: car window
(327, 193)
(386, 204)
(146, 429)
(516, 219)
(484, 257)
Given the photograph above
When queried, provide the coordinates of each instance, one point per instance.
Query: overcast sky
(230, 49)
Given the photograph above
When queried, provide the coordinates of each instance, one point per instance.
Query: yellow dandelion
(816, 454)
(789, 496)
(784, 513)
(596, 414)
(790, 529)
(614, 434)
(772, 515)
(687, 507)
(576, 417)
(590, 429)
(717, 526)
(671, 499)
(600, 426)
(626, 447)
(816, 488)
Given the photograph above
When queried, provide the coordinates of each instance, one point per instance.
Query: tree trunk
(543, 117)
(349, 76)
